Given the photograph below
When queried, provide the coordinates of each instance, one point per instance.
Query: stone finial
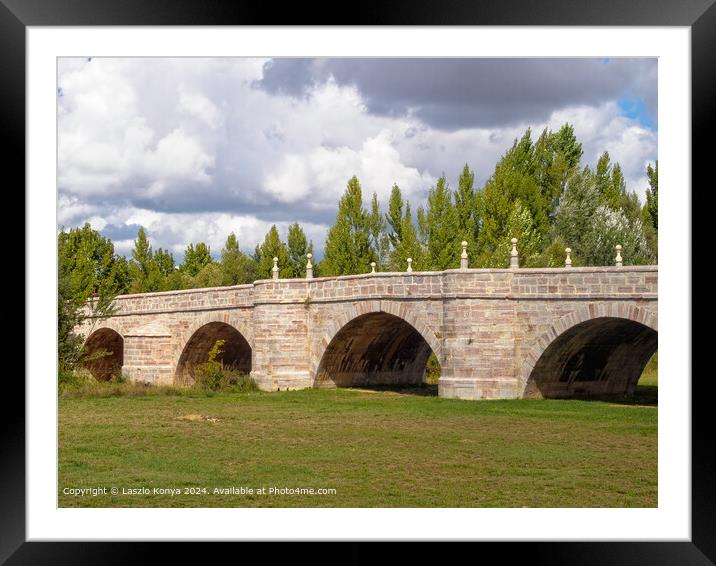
(514, 255)
(309, 266)
(372, 267)
(618, 259)
(274, 269)
(463, 255)
(410, 264)
(568, 260)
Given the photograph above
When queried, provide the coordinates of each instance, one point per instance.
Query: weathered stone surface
(497, 333)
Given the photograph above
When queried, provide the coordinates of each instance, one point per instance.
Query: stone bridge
(497, 333)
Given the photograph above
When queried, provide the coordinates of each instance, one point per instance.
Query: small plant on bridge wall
(213, 375)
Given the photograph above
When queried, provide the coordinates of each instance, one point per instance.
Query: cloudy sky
(193, 149)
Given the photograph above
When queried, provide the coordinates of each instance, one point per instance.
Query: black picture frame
(699, 15)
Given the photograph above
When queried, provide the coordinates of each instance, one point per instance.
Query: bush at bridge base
(214, 376)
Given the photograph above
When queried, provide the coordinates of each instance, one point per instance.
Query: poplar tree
(408, 246)
(298, 248)
(609, 184)
(236, 267)
(271, 247)
(652, 195)
(465, 207)
(165, 262)
(348, 245)
(144, 271)
(379, 241)
(443, 241)
(394, 217)
(195, 258)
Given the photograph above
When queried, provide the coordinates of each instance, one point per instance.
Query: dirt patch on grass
(198, 418)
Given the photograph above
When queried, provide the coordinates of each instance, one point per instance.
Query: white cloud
(317, 175)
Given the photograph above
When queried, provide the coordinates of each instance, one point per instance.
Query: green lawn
(374, 448)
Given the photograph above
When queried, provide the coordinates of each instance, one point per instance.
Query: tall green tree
(298, 248)
(466, 209)
(378, 229)
(555, 157)
(89, 276)
(89, 260)
(236, 267)
(408, 246)
(143, 269)
(394, 217)
(271, 247)
(520, 225)
(609, 184)
(348, 247)
(652, 195)
(165, 262)
(592, 228)
(443, 240)
(195, 258)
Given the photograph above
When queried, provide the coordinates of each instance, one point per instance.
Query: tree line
(539, 193)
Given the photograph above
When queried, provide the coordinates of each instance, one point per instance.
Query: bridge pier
(281, 358)
(148, 354)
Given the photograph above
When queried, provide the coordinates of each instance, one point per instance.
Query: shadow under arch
(374, 349)
(104, 367)
(598, 357)
(235, 354)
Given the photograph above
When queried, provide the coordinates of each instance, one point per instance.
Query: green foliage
(87, 269)
(298, 248)
(236, 267)
(609, 228)
(394, 217)
(348, 247)
(593, 228)
(272, 247)
(441, 229)
(379, 240)
(144, 270)
(652, 195)
(609, 182)
(165, 262)
(196, 258)
(213, 376)
(432, 369)
(209, 276)
(552, 255)
(466, 209)
(520, 225)
(408, 246)
(555, 157)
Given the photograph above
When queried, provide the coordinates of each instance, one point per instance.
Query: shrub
(432, 369)
(212, 375)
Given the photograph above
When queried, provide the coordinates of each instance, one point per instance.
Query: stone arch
(108, 340)
(637, 326)
(193, 344)
(407, 331)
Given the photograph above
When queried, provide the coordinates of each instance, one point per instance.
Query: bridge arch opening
(600, 357)
(235, 353)
(374, 349)
(104, 349)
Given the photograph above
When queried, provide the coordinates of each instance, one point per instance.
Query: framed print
(389, 279)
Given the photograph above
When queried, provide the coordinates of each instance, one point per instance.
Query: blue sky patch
(634, 107)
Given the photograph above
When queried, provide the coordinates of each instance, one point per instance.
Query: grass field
(373, 448)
